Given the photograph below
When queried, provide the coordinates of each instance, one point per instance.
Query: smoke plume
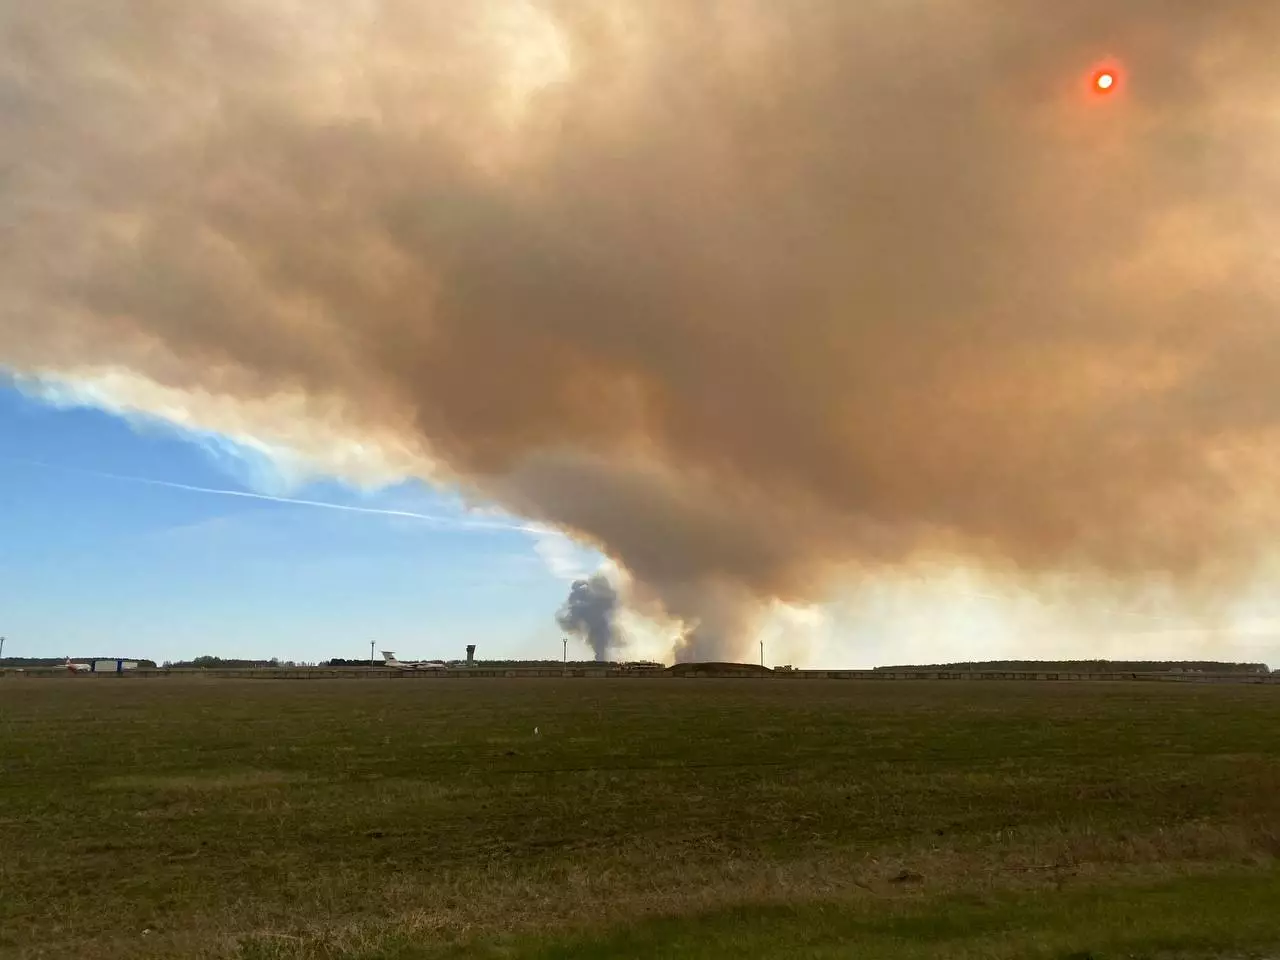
(589, 613)
(752, 295)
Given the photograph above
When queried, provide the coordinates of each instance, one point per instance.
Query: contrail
(322, 504)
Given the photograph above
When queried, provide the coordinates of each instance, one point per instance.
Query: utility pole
(371, 643)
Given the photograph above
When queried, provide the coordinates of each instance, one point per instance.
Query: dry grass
(406, 819)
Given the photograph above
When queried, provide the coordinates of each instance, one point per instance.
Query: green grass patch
(1190, 917)
(1197, 916)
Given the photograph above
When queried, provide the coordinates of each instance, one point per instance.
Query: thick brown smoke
(748, 293)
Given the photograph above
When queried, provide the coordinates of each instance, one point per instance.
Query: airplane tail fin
(388, 657)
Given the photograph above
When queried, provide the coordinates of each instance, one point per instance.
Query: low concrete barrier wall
(476, 673)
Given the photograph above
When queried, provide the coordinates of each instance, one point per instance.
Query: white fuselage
(389, 660)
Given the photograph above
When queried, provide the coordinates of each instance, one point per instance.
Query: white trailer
(112, 666)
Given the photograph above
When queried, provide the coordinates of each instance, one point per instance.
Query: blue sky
(94, 565)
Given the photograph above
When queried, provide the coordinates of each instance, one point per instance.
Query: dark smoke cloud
(589, 613)
(751, 294)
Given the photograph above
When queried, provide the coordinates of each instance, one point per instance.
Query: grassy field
(420, 818)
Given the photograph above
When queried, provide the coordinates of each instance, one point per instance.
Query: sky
(100, 556)
(869, 331)
(94, 565)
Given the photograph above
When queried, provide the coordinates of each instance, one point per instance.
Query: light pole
(371, 643)
(565, 641)
(762, 653)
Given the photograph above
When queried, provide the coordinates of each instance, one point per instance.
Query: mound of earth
(716, 669)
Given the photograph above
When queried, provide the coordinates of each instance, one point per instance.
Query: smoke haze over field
(752, 295)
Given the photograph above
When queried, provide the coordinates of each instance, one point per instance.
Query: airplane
(77, 667)
(389, 660)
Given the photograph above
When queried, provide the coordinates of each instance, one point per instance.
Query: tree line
(1092, 666)
(220, 663)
